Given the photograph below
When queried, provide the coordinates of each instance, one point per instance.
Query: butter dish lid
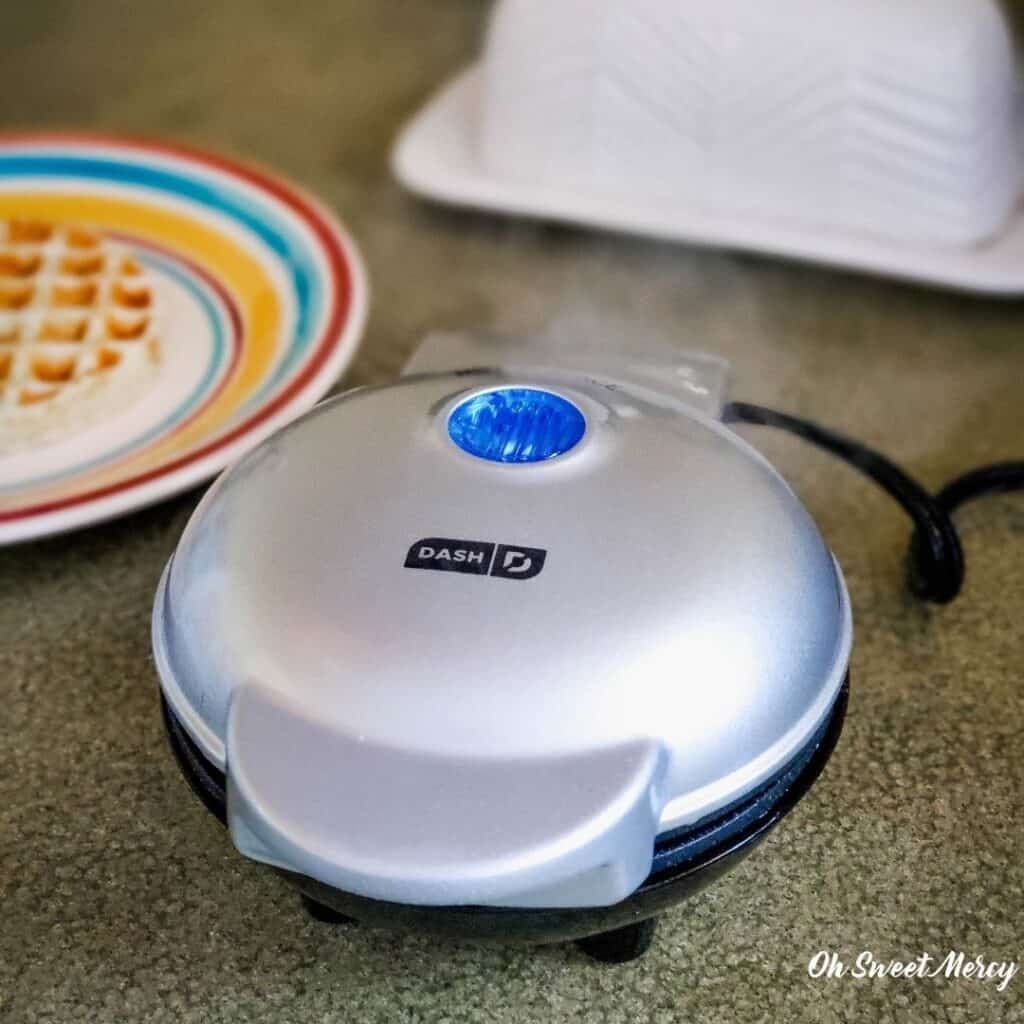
(878, 136)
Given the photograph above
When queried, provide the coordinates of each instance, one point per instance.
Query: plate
(260, 301)
(435, 156)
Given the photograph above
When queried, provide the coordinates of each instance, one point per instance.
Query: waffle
(78, 330)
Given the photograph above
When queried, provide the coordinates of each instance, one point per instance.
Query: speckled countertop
(122, 900)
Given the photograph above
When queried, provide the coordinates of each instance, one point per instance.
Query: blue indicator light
(516, 425)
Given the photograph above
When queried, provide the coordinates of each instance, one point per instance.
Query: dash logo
(480, 558)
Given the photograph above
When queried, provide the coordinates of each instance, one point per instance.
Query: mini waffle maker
(528, 653)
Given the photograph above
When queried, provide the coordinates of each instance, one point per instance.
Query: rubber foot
(621, 945)
(324, 913)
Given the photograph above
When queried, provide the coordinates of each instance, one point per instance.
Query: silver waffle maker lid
(435, 677)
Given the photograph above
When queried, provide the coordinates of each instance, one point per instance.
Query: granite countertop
(123, 900)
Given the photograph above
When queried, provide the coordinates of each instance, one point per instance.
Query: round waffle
(79, 325)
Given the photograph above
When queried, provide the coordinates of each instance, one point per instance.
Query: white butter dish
(879, 136)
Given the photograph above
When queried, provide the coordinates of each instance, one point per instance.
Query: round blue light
(516, 425)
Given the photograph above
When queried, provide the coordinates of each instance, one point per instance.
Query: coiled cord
(935, 558)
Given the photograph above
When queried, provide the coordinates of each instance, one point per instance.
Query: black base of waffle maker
(685, 861)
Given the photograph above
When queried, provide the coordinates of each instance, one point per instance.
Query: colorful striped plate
(263, 299)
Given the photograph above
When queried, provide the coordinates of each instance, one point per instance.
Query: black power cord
(935, 558)
(995, 479)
